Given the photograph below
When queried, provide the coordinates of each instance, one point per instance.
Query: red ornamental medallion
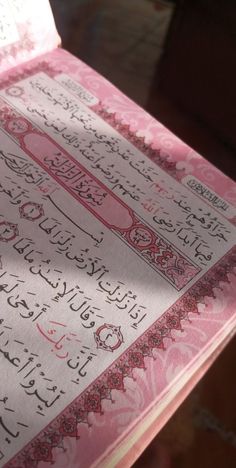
(8, 231)
(155, 340)
(92, 403)
(136, 360)
(17, 126)
(31, 211)
(141, 237)
(43, 452)
(15, 91)
(54, 439)
(68, 427)
(108, 337)
(115, 381)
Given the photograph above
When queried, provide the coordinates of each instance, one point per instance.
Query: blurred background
(176, 59)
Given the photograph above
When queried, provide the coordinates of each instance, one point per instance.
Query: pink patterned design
(9, 80)
(25, 43)
(100, 110)
(36, 30)
(137, 122)
(151, 344)
(159, 254)
(139, 142)
(100, 201)
(104, 415)
(143, 125)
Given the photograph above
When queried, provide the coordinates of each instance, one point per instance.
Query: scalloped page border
(155, 340)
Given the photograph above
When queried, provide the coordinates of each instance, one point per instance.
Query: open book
(117, 256)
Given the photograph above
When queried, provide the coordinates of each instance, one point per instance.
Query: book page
(104, 253)
(27, 29)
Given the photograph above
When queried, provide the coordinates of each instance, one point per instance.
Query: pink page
(27, 29)
(117, 267)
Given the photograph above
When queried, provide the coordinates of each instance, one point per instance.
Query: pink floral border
(154, 340)
(36, 33)
(24, 43)
(124, 129)
(139, 142)
(155, 250)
